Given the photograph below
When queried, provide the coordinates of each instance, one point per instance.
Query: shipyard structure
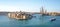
(19, 15)
(44, 12)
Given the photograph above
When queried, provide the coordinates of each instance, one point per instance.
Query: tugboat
(53, 19)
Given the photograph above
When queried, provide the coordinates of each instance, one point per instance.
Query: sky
(29, 5)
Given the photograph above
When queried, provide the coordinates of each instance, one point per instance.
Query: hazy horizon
(29, 5)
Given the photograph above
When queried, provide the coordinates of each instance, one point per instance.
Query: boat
(52, 19)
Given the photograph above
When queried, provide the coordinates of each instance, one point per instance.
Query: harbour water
(38, 21)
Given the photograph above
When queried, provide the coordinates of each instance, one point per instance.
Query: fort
(19, 15)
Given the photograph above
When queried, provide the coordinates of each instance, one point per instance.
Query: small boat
(53, 19)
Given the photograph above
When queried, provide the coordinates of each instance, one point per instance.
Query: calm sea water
(38, 21)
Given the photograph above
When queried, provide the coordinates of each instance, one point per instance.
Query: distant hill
(4, 13)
